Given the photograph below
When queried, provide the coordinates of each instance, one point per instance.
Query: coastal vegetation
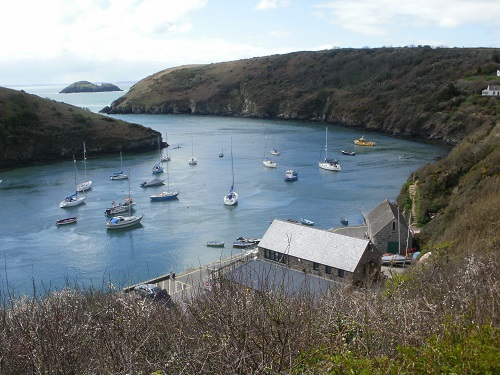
(36, 130)
(431, 94)
(439, 316)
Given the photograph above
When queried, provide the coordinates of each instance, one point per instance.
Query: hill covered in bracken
(418, 93)
(33, 129)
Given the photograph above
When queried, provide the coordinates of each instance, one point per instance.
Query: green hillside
(417, 93)
(33, 129)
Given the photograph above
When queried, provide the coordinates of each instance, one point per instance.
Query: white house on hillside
(492, 90)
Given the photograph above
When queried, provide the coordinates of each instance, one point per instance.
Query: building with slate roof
(320, 252)
(387, 227)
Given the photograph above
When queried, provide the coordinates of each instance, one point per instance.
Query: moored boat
(66, 221)
(153, 182)
(344, 220)
(164, 196)
(351, 153)
(329, 164)
(120, 207)
(395, 260)
(291, 175)
(215, 243)
(243, 244)
(363, 142)
(306, 222)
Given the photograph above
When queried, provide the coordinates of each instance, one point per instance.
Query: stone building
(387, 227)
(320, 252)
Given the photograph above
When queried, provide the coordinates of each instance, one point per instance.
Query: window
(316, 266)
(341, 273)
(328, 270)
(393, 226)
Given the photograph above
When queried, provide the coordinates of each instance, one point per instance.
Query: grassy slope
(33, 129)
(430, 94)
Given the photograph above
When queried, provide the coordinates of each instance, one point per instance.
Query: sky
(64, 41)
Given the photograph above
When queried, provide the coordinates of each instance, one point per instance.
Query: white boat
(329, 164)
(120, 222)
(268, 162)
(74, 199)
(158, 168)
(165, 195)
(192, 159)
(167, 156)
(153, 182)
(306, 222)
(231, 198)
(120, 207)
(86, 184)
(119, 175)
(68, 220)
(395, 260)
(291, 175)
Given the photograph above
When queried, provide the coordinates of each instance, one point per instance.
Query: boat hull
(87, 185)
(269, 164)
(164, 196)
(72, 203)
(69, 220)
(231, 199)
(154, 182)
(215, 243)
(120, 222)
(307, 222)
(330, 166)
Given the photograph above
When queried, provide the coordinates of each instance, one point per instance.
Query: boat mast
(85, 160)
(232, 165)
(326, 144)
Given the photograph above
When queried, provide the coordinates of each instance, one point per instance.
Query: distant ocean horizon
(174, 234)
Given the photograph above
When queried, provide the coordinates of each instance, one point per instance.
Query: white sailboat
(86, 184)
(158, 168)
(329, 164)
(268, 162)
(119, 222)
(231, 198)
(165, 195)
(192, 159)
(167, 156)
(74, 199)
(119, 175)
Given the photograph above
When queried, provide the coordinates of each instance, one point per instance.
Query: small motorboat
(344, 220)
(306, 222)
(243, 244)
(363, 142)
(275, 152)
(291, 175)
(215, 243)
(68, 220)
(153, 182)
(253, 240)
(351, 153)
(120, 207)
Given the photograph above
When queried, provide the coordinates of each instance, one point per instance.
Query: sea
(39, 257)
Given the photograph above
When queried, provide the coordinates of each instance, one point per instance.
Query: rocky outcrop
(418, 93)
(85, 86)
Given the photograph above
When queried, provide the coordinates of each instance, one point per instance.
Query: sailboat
(231, 198)
(167, 156)
(119, 222)
(329, 164)
(74, 199)
(268, 162)
(157, 168)
(192, 159)
(165, 195)
(274, 151)
(119, 175)
(87, 184)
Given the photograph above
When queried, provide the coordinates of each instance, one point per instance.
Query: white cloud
(377, 17)
(272, 4)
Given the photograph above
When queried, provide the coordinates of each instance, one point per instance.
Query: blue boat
(306, 222)
(291, 175)
(164, 196)
(344, 220)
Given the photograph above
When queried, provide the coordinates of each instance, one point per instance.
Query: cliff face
(85, 86)
(33, 129)
(422, 93)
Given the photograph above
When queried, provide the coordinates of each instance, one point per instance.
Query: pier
(182, 285)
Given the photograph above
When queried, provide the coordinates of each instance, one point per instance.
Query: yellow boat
(363, 142)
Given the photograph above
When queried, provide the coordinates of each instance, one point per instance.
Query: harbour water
(173, 234)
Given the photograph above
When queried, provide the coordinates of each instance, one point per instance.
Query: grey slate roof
(315, 245)
(266, 276)
(382, 215)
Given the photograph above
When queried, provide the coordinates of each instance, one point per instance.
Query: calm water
(173, 234)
